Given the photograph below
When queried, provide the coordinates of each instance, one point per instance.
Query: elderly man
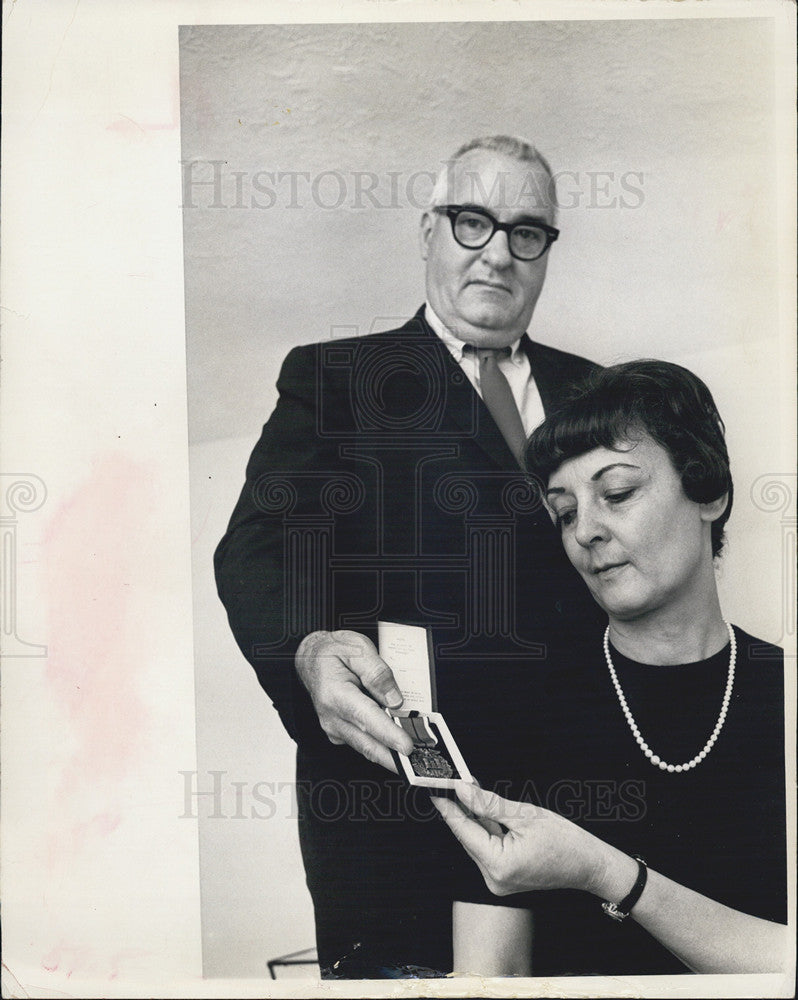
(387, 486)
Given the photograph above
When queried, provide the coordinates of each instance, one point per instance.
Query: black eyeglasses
(473, 228)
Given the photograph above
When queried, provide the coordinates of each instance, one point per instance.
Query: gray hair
(507, 145)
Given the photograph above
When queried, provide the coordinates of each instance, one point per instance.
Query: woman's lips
(608, 569)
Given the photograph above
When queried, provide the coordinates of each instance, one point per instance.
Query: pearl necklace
(655, 760)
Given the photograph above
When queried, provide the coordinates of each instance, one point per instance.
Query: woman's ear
(714, 509)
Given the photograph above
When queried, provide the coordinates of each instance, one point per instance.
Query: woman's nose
(589, 528)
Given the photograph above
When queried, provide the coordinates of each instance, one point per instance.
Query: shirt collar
(454, 344)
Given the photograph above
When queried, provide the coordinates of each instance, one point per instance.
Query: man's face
(486, 297)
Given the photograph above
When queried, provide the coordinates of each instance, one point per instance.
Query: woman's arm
(704, 934)
(491, 940)
(541, 850)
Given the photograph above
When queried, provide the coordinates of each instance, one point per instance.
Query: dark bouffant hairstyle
(663, 400)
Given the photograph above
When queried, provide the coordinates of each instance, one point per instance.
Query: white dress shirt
(516, 369)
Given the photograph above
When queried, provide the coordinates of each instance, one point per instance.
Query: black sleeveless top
(719, 829)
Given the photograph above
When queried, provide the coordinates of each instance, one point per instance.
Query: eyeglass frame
(454, 210)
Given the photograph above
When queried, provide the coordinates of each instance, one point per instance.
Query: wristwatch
(620, 911)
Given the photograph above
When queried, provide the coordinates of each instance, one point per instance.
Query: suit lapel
(464, 405)
(552, 371)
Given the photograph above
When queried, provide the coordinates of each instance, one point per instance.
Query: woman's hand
(536, 850)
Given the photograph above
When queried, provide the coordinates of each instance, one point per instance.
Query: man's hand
(348, 682)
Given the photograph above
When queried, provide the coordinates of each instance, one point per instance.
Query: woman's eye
(619, 496)
(565, 517)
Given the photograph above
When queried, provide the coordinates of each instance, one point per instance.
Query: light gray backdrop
(307, 151)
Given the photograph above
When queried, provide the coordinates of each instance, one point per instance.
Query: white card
(405, 648)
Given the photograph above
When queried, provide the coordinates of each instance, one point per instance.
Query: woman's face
(629, 529)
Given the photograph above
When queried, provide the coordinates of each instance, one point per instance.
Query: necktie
(498, 397)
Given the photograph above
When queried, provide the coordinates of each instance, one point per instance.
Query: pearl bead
(655, 760)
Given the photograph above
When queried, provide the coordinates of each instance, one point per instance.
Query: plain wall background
(684, 109)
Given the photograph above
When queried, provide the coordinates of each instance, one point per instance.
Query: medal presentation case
(435, 761)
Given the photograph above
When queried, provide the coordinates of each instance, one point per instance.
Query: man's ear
(714, 509)
(424, 233)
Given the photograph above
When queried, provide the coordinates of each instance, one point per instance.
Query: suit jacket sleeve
(268, 613)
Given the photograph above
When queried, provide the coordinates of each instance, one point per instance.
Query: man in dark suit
(387, 486)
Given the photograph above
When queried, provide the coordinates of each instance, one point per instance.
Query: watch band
(620, 911)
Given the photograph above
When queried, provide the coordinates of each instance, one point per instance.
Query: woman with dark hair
(661, 754)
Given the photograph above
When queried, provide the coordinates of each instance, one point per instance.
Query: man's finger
(377, 678)
(365, 745)
(371, 719)
(373, 672)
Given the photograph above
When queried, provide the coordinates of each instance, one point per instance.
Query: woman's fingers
(489, 806)
(474, 837)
